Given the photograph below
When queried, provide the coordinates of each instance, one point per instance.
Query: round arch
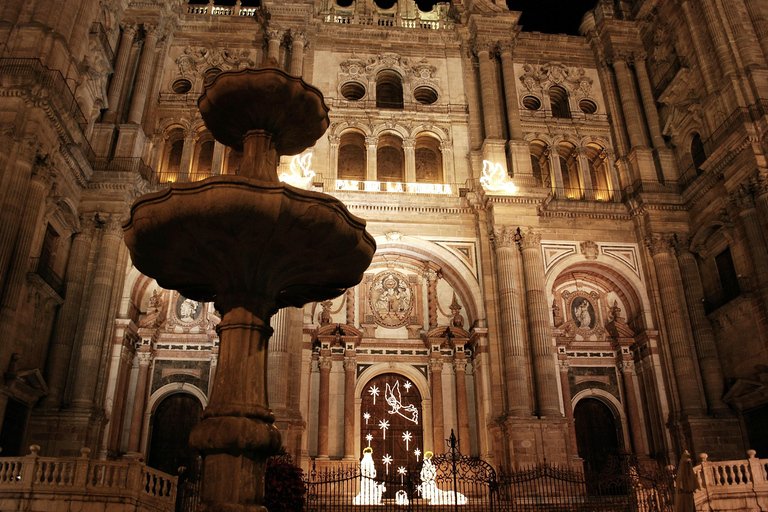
(416, 377)
(161, 394)
(613, 405)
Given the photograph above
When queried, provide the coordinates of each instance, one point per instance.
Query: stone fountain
(252, 245)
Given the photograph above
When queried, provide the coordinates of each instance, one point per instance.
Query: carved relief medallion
(188, 310)
(390, 299)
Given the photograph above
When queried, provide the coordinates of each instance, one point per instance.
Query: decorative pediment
(27, 386)
(537, 77)
(337, 335)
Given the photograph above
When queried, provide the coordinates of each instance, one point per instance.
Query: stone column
(187, 153)
(718, 37)
(333, 156)
(371, 144)
(13, 185)
(484, 51)
(743, 202)
(446, 148)
(649, 104)
(512, 330)
(274, 37)
(118, 78)
(323, 410)
(436, 373)
(556, 170)
(409, 150)
(759, 18)
(298, 41)
(63, 338)
(584, 174)
(612, 101)
(144, 359)
(460, 371)
(679, 347)
(143, 75)
(217, 162)
(565, 386)
(432, 278)
(699, 37)
(704, 337)
(627, 369)
(96, 317)
(278, 361)
(506, 48)
(350, 367)
(539, 326)
(744, 33)
(629, 103)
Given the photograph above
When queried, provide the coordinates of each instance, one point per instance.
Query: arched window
(174, 147)
(429, 160)
(698, 154)
(389, 90)
(598, 172)
(540, 163)
(390, 158)
(558, 98)
(352, 158)
(202, 166)
(569, 165)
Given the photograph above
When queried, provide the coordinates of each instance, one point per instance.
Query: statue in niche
(324, 317)
(188, 310)
(390, 299)
(583, 313)
(155, 314)
(457, 320)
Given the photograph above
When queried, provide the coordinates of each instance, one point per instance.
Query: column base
(64, 433)
(719, 438)
(535, 440)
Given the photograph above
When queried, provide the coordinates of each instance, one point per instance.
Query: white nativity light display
(429, 490)
(494, 179)
(370, 492)
(301, 175)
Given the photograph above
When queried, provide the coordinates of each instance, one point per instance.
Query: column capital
(371, 141)
(350, 364)
(483, 46)
(112, 224)
(151, 31)
(298, 36)
(129, 30)
(43, 170)
(504, 236)
(325, 363)
(682, 244)
(507, 46)
(742, 198)
(145, 358)
(760, 182)
(446, 145)
(659, 243)
(334, 140)
(409, 143)
(274, 33)
(626, 366)
(530, 240)
(435, 365)
(460, 365)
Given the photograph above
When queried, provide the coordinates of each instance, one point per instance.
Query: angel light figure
(494, 179)
(301, 175)
(370, 491)
(395, 400)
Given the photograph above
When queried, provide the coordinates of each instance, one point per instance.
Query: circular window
(181, 86)
(425, 95)
(210, 74)
(532, 103)
(588, 106)
(353, 91)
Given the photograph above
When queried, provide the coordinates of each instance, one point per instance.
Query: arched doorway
(391, 424)
(597, 433)
(172, 422)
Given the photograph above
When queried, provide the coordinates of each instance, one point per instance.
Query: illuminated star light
(401, 471)
(384, 425)
(417, 453)
(367, 416)
(374, 391)
(369, 438)
(407, 385)
(407, 436)
(387, 460)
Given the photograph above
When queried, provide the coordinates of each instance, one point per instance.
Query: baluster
(16, 470)
(3, 471)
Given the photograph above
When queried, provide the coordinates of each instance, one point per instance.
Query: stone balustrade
(58, 484)
(732, 484)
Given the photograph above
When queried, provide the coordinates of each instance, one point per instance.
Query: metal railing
(211, 9)
(386, 20)
(126, 164)
(574, 115)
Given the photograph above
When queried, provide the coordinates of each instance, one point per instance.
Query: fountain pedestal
(252, 245)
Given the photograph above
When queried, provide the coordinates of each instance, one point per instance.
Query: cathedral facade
(571, 229)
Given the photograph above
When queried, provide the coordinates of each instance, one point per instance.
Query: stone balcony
(732, 484)
(58, 484)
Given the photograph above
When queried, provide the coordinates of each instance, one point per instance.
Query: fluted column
(679, 347)
(704, 337)
(584, 174)
(627, 369)
(718, 36)
(96, 317)
(556, 168)
(371, 143)
(484, 52)
(699, 43)
(31, 220)
(512, 329)
(462, 411)
(438, 432)
(274, 37)
(629, 103)
(323, 410)
(278, 360)
(144, 359)
(409, 151)
(744, 203)
(539, 325)
(298, 41)
(118, 78)
(350, 367)
(63, 338)
(12, 187)
(612, 101)
(515, 127)
(744, 33)
(759, 18)
(649, 104)
(143, 75)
